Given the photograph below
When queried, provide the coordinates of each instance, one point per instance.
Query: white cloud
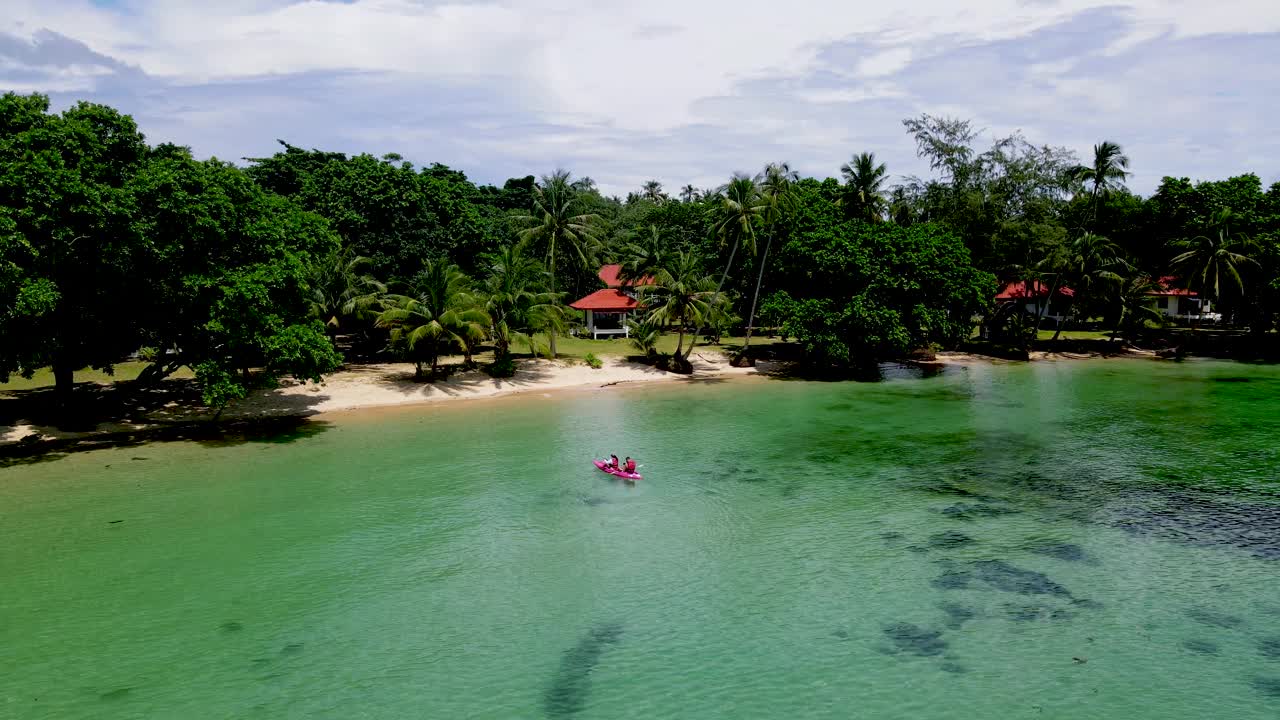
(512, 83)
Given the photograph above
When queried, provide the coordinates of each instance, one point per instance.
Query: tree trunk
(714, 298)
(435, 360)
(63, 382)
(417, 370)
(751, 320)
(1053, 290)
(556, 300)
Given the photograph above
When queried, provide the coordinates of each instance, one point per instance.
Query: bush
(593, 361)
(503, 367)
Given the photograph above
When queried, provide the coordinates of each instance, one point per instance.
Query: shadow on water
(567, 695)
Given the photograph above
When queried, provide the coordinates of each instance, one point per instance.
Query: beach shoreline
(366, 389)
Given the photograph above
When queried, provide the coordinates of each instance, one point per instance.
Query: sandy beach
(392, 384)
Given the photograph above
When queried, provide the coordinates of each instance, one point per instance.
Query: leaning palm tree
(735, 223)
(436, 313)
(778, 199)
(1208, 262)
(682, 295)
(1109, 169)
(341, 291)
(554, 224)
(864, 179)
(514, 299)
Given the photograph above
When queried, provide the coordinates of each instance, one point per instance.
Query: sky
(684, 91)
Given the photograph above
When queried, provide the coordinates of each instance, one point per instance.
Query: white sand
(392, 384)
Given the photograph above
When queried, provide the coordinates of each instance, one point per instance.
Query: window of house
(1163, 303)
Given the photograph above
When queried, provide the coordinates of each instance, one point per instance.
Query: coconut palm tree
(1208, 262)
(778, 199)
(436, 313)
(1109, 169)
(342, 291)
(513, 298)
(1092, 269)
(689, 193)
(682, 295)
(735, 223)
(644, 335)
(864, 187)
(555, 225)
(1136, 307)
(652, 191)
(641, 257)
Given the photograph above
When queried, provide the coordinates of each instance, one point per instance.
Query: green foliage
(592, 361)
(516, 302)
(644, 335)
(434, 314)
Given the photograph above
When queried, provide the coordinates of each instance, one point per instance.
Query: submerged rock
(1062, 551)
(1200, 647)
(116, 694)
(1009, 578)
(1270, 648)
(945, 540)
(969, 511)
(1214, 618)
(954, 668)
(231, 626)
(567, 694)
(1269, 686)
(957, 615)
(913, 639)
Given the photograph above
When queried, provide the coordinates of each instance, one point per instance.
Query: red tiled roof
(1019, 291)
(1167, 286)
(609, 276)
(611, 299)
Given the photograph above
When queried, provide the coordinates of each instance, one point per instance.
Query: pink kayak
(617, 473)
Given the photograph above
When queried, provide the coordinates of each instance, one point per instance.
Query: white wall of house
(1181, 306)
(607, 324)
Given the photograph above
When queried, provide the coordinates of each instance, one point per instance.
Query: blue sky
(686, 91)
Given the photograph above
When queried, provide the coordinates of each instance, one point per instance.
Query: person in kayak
(630, 466)
(613, 462)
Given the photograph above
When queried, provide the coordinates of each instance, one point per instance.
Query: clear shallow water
(944, 547)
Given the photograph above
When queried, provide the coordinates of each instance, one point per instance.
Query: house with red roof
(605, 312)
(1031, 296)
(1180, 302)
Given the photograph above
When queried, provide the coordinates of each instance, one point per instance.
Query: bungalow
(1031, 296)
(1181, 303)
(606, 311)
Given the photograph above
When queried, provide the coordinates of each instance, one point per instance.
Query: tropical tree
(342, 291)
(514, 299)
(641, 257)
(436, 313)
(652, 191)
(689, 193)
(1091, 267)
(1135, 304)
(735, 224)
(1208, 262)
(777, 200)
(1109, 169)
(644, 335)
(863, 192)
(555, 224)
(682, 295)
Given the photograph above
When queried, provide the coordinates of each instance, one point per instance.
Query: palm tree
(1109, 169)
(1135, 304)
(777, 199)
(741, 209)
(643, 256)
(513, 298)
(554, 224)
(341, 291)
(1090, 268)
(689, 193)
(436, 313)
(863, 189)
(681, 295)
(1207, 260)
(644, 335)
(652, 191)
